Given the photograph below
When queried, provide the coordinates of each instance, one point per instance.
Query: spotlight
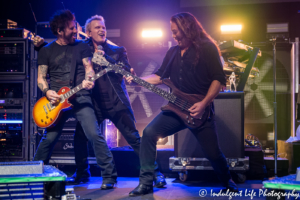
(231, 29)
(278, 28)
(151, 33)
(279, 31)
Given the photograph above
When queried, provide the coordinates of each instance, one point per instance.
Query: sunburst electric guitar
(179, 102)
(46, 115)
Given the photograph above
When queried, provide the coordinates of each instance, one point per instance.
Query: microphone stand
(275, 104)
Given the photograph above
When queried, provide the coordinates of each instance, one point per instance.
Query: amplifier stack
(16, 90)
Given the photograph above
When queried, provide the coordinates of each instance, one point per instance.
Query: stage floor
(175, 190)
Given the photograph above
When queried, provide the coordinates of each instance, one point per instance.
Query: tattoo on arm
(40, 86)
(42, 82)
(89, 74)
(89, 71)
(86, 62)
(43, 69)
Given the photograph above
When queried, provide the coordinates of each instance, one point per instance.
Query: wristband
(45, 90)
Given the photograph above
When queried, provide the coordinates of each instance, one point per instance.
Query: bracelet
(45, 90)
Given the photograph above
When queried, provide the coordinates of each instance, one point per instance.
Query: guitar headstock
(99, 59)
(121, 64)
(108, 69)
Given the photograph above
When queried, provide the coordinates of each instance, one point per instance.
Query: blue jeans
(123, 120)
(168, 123)
(84, 112)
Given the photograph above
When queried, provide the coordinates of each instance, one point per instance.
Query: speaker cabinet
(229, 116)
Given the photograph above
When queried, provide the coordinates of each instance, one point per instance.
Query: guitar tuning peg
(120, 63)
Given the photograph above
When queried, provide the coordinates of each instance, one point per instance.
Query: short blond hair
(88, 22)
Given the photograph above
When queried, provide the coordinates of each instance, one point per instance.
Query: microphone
(108, 58)
(100, 47)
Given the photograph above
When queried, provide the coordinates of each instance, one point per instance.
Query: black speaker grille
(229, 116)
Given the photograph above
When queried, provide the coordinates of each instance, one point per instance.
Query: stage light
(231, 29)
(151, 33)
(278, 28)
(11, 121)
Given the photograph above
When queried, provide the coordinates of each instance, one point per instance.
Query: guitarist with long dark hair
(194, 67)
(68, 63)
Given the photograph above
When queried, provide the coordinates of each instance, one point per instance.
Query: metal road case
(183, 164)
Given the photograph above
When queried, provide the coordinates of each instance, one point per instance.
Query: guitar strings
(178, 102)
(182, 104)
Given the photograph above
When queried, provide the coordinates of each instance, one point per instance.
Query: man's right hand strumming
(52, 96)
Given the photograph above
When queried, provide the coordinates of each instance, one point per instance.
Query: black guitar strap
(73, 67)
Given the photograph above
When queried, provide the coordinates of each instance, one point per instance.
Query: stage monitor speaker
(229, 116)
(259, 96)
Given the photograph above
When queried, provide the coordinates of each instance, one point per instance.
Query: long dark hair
(193, 31)
(60, 20)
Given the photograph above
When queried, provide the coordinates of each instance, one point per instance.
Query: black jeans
(84, 112)
(124, 122)
(168, 123)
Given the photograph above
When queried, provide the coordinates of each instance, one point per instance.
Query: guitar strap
(73, 67)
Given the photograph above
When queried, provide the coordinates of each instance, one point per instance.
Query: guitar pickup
(45, 109)
(48, 107)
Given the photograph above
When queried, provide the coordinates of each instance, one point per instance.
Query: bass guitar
(179, 102)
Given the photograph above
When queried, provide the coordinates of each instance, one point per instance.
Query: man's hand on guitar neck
(52, 96)
(88, 85)
(129, 79)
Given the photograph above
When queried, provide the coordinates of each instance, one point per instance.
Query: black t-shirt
(59, 58)
(103, 92)
(106, 96)
(193, 79)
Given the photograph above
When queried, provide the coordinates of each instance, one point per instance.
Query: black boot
(81, 176)
(107, 186)
(231, 186)
(159, 180)
(141, 189)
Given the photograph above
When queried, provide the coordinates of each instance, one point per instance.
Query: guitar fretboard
(79, 87)
(168, 96)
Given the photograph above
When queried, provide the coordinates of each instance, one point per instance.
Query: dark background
(130, 16)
